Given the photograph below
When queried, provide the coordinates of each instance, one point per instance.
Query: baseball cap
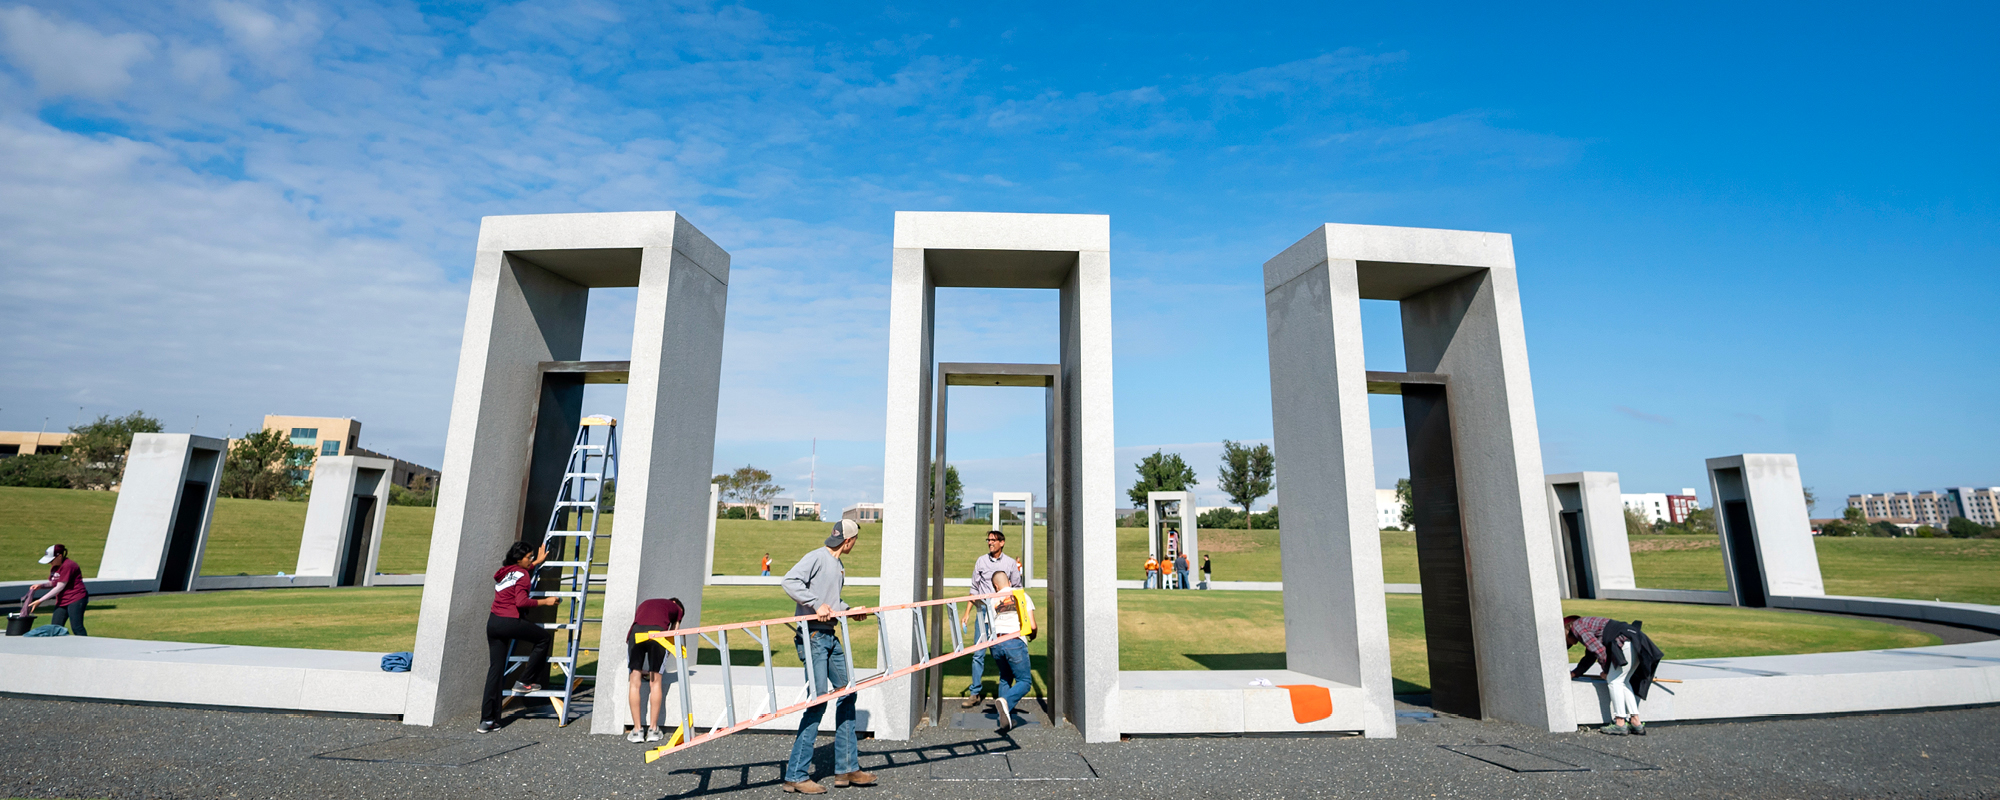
(50, 555)
(842, 531)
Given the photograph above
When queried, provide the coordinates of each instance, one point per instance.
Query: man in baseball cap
(66, 590)
(814, 584)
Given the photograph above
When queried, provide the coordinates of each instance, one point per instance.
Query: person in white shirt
(1013, 653)
(994, 561)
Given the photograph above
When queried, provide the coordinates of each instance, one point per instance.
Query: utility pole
(812, 477)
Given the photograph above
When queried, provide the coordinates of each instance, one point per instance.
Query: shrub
(45, 471)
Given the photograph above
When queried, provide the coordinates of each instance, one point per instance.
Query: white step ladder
(572, 542)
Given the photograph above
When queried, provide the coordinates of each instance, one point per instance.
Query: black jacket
(1645, 654)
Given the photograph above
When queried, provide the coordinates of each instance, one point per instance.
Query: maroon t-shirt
(68, 573)
(657, 614)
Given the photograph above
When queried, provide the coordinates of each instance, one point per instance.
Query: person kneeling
(1012, 654)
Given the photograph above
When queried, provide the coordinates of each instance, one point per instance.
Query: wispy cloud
(1643, 416)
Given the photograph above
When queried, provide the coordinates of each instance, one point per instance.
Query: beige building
(1936, 509)
(865, 513)
(27, 443)
(341, 436)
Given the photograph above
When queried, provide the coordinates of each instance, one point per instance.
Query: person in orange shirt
(1152, 573)
(767, 565)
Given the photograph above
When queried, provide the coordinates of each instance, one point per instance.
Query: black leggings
(500, 632)
(73, 614)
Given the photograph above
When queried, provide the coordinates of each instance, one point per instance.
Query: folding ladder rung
(555, 534)
(591, 504)
(591, 475)
(593, 619)
(536, 693)
(566, 563)
(555, 594)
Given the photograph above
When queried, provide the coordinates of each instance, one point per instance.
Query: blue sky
(1738, 230)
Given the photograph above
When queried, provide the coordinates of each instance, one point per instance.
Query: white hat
(51, 554)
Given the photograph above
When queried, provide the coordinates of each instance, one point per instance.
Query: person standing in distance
(1181, 572)
(767, 565)
(814, 584)
(504, 626)
(1207, 572)
(65, 588)
(996, 561)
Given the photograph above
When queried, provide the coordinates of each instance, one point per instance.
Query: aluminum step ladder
(685, 644)
(573, 567)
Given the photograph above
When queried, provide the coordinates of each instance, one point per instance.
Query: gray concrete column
(166, 499)
(1336, 620)
(1766, 531)
(905, 480)
(323, 544)
(1605, 554)
(1091, 501)
(668, 447)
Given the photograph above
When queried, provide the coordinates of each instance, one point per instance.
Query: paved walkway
(65, 749)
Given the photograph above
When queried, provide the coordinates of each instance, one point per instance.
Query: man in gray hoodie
(814, 584)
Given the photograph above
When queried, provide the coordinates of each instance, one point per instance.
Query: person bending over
(65, 590)
(647, 660)
(1629, 661)
(505, 626)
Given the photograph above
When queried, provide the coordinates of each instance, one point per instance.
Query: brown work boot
(806, 786)
(855, 778)
(974, 700)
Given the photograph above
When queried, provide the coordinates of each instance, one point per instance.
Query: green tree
(260, 467)
(1161, 472)
(1885, 529)
(747, 484)
(1636, 523)
(94, 456)
(1700, 520)
(1811, 501)
(1224, 517)
(1246, 473)
(954, 493)
(1408, 497)
(1267, 520)
(420, 492)
(46, 471)
(1962, 528)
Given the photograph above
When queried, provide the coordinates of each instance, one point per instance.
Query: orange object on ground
(1309, 703)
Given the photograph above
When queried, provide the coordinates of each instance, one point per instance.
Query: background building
(863, 512)
(1388, 510)
(341, 436)
(27, 443)
(1979, 504)
(1668, 508)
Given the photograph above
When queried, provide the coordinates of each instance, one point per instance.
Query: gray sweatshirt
(815, 581)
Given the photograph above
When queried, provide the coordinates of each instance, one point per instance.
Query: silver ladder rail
(571, 538)
(686, 645)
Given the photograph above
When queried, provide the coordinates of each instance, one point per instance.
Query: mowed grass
(1157, 630)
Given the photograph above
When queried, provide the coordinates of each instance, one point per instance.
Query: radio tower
(812, 478)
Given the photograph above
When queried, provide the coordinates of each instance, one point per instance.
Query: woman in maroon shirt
(505, 626)
(65, 588)
(647, 660)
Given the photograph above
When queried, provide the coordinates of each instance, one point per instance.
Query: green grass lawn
(1157, 630)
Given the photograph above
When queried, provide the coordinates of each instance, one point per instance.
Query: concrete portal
(1164, 540)
(343, 533)
(515, 412)
(166, 499)
(1761, 517)
(1069, 253)
(1026, 546)
(1492, 608)
(1587, 521)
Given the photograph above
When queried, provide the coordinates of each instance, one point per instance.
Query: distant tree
(1246, 473)
(1851, 523)
(1266, 521)
(1928, 532)
(1700, 520)
(46, 471)
(1636, 523)
(1885, 529)
(259, 467)
(1811, 501)
(1224, 517)
(1408, 497)
(739, 512)
(954, 493)
(747, 484)
(1137, 519)
(94, 456)
(1161, 472)
(1962, 528)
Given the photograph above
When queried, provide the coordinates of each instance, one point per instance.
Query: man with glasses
(995, 560)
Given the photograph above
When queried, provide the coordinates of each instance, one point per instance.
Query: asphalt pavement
(78, 749)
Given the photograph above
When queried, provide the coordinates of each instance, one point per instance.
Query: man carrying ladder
(814, 584)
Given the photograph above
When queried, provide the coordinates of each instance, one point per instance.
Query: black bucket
(18, 624)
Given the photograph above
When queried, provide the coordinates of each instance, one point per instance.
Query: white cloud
(71, 58)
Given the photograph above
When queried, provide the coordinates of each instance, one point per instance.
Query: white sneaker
(655, 734)
(1006, 714)
(635, 736)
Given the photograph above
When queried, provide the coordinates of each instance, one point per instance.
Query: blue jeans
(829, 669)
(1180, 576)
(1015, 677)
(979, 634)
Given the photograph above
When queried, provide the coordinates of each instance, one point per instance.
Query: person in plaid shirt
(1609, 642)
